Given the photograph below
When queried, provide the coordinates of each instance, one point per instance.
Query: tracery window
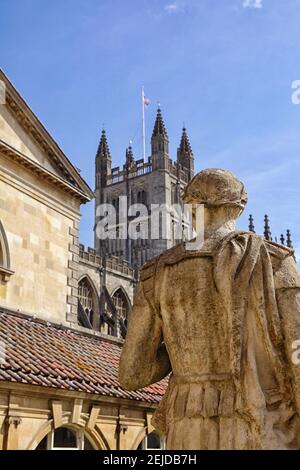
(112, 318)
(122, 307)
(87, 299)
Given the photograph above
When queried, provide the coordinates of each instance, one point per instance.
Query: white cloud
(171, 8)
(175, 7)
(253, 4)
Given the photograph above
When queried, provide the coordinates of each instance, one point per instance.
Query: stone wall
(40, 224)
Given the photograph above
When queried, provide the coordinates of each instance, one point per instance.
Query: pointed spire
(282, 239)
(185, 157)
(267, 230)
(103, 148)
(185, 146)
(159, 144)
(103, 162)
(159, 126)
(289, 239)
(251, 224)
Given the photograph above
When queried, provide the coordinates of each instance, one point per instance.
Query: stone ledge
(5, 274)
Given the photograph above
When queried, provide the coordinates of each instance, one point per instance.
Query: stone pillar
(12, 442)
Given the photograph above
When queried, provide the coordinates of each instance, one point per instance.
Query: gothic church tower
(159, 180)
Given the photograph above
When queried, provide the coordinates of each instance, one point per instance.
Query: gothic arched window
(123, 308)
(88, 302)
(5, 271)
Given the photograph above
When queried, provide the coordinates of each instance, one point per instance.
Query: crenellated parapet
(113, 263)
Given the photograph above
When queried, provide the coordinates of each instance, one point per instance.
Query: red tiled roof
(43, 354)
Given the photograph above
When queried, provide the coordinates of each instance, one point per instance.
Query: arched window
(87, 301)
(151, 442)
(122, 306)
(5, 271)
(65, 439)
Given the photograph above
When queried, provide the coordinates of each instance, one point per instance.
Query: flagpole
(143, 124)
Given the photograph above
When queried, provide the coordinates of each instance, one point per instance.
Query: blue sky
(224, 67)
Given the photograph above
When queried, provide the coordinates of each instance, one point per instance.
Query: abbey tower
(159, 180)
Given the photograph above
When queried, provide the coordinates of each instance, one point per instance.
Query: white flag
(146, 101)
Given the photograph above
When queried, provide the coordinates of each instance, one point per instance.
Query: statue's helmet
(215, 187)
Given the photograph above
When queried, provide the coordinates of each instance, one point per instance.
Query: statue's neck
(214, 233)
(216, 230)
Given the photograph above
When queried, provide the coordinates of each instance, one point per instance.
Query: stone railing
(141, 168)
(138, 168)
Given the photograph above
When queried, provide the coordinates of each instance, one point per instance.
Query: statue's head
(219, 190)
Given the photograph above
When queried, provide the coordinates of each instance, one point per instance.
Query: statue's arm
(287, 283)
(144, 359)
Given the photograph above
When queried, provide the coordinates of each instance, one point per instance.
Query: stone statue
(222, 321)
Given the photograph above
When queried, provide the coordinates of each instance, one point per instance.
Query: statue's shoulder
(283, 264)
(172, 255)
(277, 250)
(148, 269)
(286, 273)
(169, 256)
(279, 254)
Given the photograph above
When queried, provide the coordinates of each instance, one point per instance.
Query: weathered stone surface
(228, 314)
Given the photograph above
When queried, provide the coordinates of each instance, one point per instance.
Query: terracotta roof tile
(51, 356)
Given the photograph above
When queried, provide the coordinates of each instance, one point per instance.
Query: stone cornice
(40, 171)
(58, 393)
